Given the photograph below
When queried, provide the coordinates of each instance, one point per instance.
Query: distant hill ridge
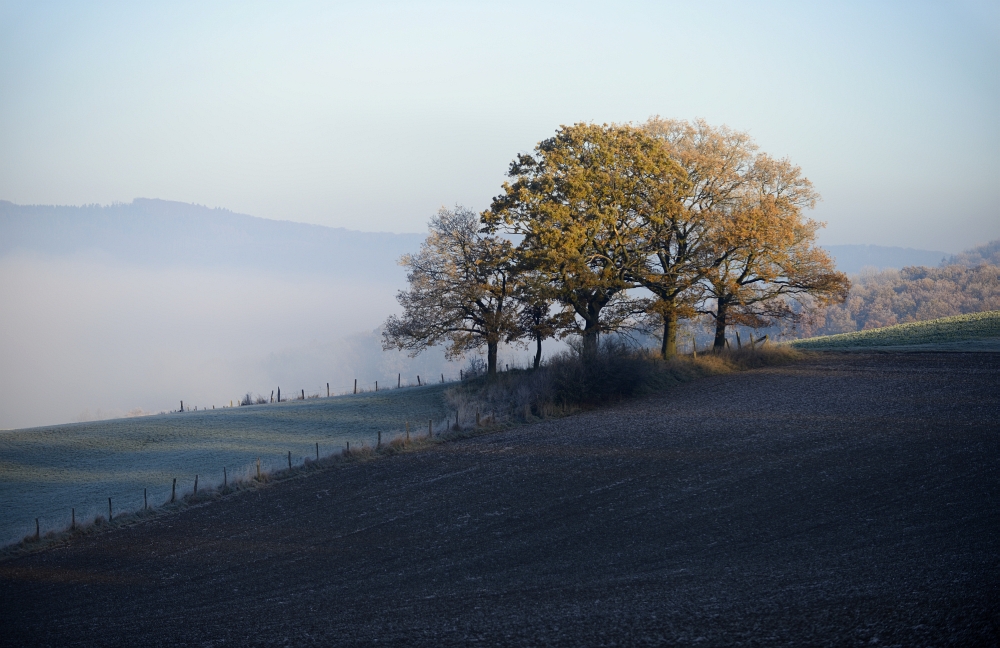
(152, 231)
(160, 232)
(852, 258)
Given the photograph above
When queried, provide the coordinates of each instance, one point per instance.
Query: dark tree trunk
(591, 333)
(668, 348)
(721, 312)
(591, 329)
(491, 359)
(538, 350)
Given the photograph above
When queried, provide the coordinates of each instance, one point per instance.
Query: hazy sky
(371, 115)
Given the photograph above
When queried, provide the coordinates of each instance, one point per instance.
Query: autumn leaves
(607, 228)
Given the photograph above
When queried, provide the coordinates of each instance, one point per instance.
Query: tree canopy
(461, 286)
(578, 202)
(770, 257)
(694, 215)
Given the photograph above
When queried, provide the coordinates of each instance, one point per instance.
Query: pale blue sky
(371, 115)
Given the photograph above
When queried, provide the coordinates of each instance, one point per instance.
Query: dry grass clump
(569, 382)
(95, 524)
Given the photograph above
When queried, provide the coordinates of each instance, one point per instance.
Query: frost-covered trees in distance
(913, 294)
(615, 226)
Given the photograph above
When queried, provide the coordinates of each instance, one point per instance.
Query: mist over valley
(134, 307)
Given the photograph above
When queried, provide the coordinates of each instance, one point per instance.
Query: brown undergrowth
(569, 383)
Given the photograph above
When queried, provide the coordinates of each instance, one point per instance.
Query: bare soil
(845, 500)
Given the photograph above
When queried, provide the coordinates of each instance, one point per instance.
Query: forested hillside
(968, 282)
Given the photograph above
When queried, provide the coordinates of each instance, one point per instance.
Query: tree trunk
(668, 349)
(591, 329)
(721, 312)
(491, 359)
(538, 351)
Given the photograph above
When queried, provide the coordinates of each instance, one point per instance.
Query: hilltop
(971, 332)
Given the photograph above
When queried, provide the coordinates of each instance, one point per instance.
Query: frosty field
(44, 472)
(971, 332)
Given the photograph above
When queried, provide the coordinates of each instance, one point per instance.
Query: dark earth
(848, 499)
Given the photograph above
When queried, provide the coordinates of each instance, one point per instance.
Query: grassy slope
(970, 330)
(46, 472)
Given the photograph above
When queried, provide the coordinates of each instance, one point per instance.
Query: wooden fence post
(109, 510)
(182, 406)
(72, 519)
(145, 502)
(442, 379)
(289, 459)
(317, 451)
(258, 468)
(225, 478)
(418, 380)
(328, 390)
(38, 529)
(430, 428)
(399, 380)
(173, 490)
(279, 393)
(196, 484)
(303, 394)
(376, 385)
(355, 385)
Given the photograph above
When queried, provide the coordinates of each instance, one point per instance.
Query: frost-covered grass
(946, 330)
(254, 476)
(45, 472)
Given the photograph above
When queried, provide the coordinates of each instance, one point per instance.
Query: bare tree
(461, 287)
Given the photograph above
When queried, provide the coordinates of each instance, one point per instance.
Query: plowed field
(845, 500)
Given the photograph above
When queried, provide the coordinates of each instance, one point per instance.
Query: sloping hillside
(847, 500)
(972, 332)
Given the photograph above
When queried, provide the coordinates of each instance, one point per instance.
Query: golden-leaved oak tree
(578, 203)
(461, 287)
(682, 243)
(768, 253)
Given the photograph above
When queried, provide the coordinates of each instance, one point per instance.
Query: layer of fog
(85, 338)
(131, 308)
